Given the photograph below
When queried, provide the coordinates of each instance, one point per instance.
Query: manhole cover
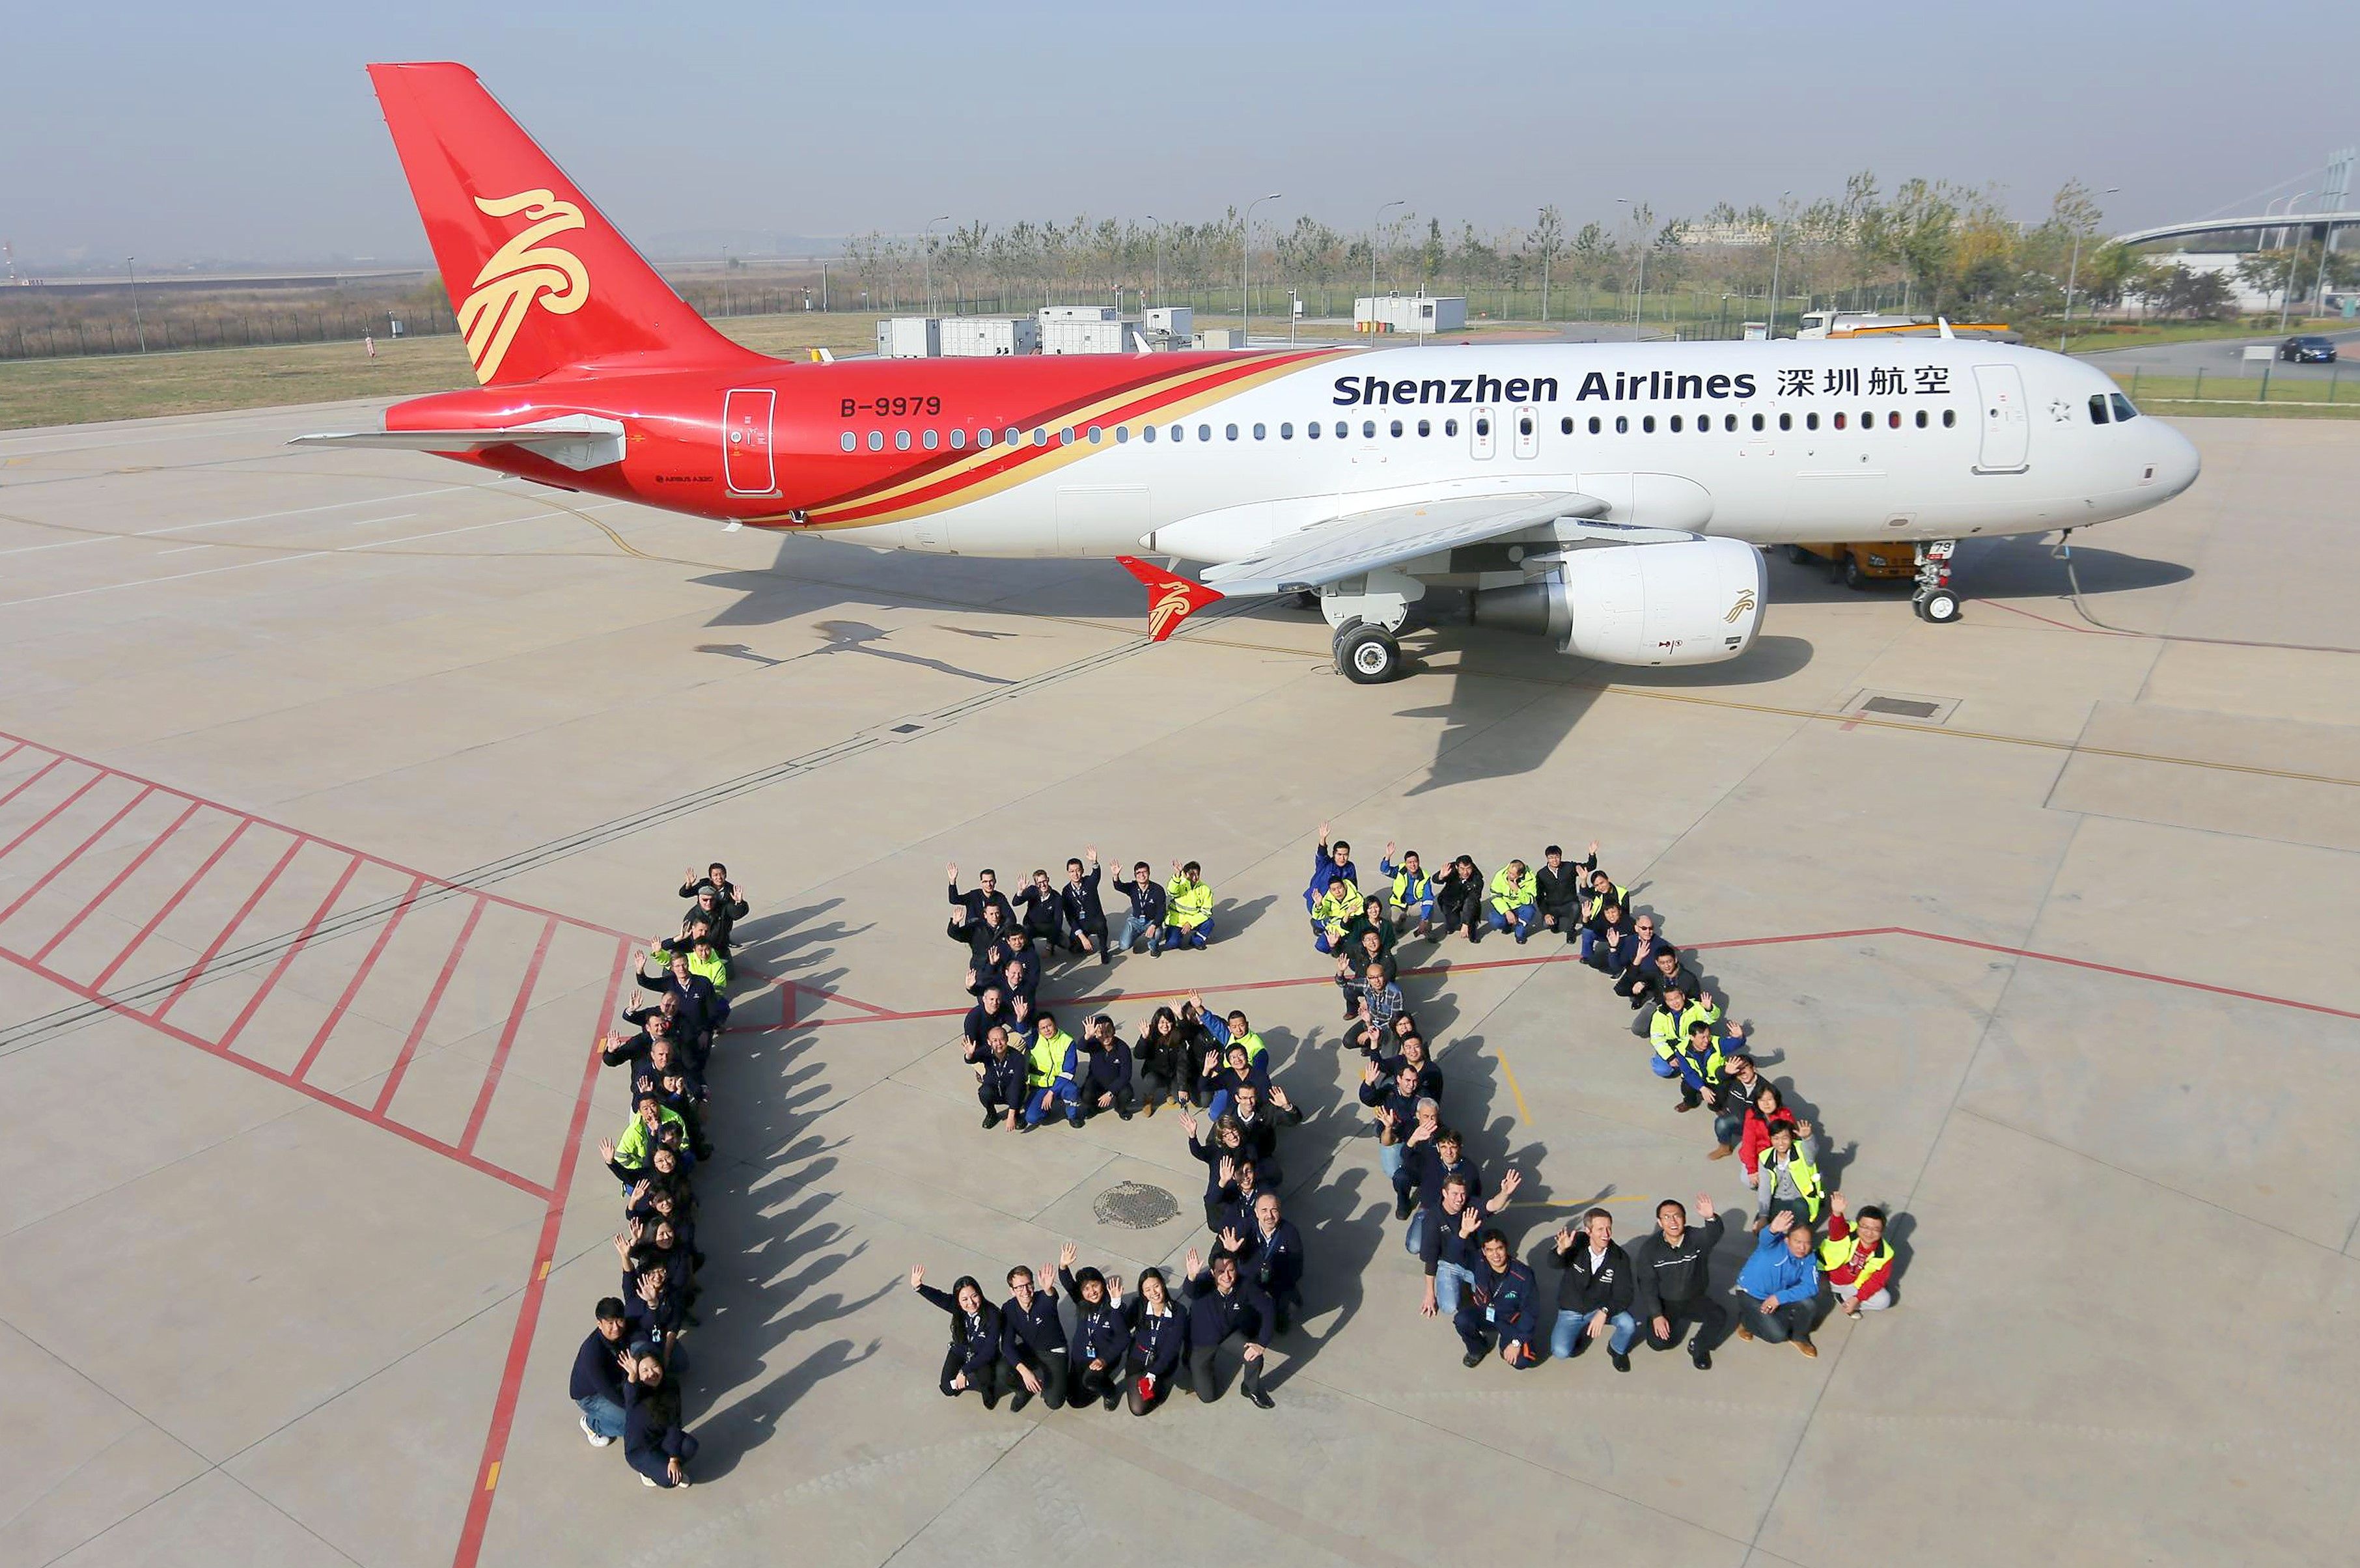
(1901, 707)
(1136, 1206)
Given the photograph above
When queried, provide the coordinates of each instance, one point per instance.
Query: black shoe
(1285, 1323)
(1404, 1206)
(1019, 1399)
(1472, 1360)
(989, 1119)
(1702, 1358)
(1261, 1400)
(1621, 1362)
(1026, 1127)
(1123, 1111)
(1113, 1398)
(991, 1401)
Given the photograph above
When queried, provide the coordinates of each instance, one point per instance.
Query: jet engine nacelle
(1692, 601)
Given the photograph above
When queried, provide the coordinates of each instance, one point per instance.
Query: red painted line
(80, 849)
(221, 939)
(49, 816)
(25, 784)
(496, 1436)
(2061, 625)
(1803, 936)
(2130, 973)
(12, 751)
(138, 861)
(172, 903)
(253, 1003)
(433, 1001)
(352, 986)
(507, 1039)
(288, 1081)
(329, 843)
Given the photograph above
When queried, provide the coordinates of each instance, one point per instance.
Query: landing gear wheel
(1941, 608)
(1336, 638)
(1367, 656)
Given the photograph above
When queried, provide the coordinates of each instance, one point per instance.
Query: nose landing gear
(1936, 601)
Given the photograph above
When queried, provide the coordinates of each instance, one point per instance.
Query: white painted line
(255, 517)
(185, 548)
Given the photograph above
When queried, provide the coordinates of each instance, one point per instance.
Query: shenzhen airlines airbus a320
(1613, 497)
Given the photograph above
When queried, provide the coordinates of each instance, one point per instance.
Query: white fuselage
(1788, 441)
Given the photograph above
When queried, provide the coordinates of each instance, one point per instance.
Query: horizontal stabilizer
(578, 441)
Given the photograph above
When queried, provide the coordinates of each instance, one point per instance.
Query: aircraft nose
(2177, 465)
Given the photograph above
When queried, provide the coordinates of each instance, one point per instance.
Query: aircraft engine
(1691, 602)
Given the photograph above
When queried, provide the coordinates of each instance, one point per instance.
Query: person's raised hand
(1470, 1218)
(1783, 1223)
(1836, 1204)
(1323, 832)
(1565, 1236)
(1188, 1123)
(1703, 1206)
(1114, 1286)
(1278, 1097)
(1593, 849)
(606, 1149)
(1508, 1185)
(954, 870)
(1390, 847)
(1229, 1170)
(917, 1275)
(1232, 1241)
(1802, 1126)
(1704, 1000)
(1194, 1264)
(1368, 1073)
(1066, 1254)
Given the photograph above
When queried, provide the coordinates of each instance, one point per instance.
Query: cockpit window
(2123, 410)
(2098, 414)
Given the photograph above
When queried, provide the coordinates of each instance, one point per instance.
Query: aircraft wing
(574, 441)
(1364, 541)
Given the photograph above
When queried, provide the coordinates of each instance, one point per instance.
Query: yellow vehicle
(1858, 565)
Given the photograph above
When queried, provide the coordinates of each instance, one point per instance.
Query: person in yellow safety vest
(1700, 1060)
(706, 959)
(1053, 1074)
(630, 1156)
(1332, 914)
(1670, 1025)
(1515, 900)
(1412, 889)
(1188, 911)
(1856, 1259)
(1789, 1178)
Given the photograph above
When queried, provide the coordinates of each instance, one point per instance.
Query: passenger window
(1811, 422)
(1593, 424)
(877, 441)
(1949, 418)
(1343, 429)
(848, 442)
(1450, 427)
(1231, 430)
(1097, 435)
(1564, 426)
(1482, 425)
(1147, 434)
(1840, 421)
(1647, 425)
(2123, 410)
(1040, 435)
(1523, 424)
(1424, 428)
(982, 438)
(1757, 421)
(901, 440)
(1311, 429)
(1262, 433)
(1921, 419)
(1785, 421)
(1286, 430)
(1398, 430)
(1621, 424)
(959, 439)
(1676, 424)
(1893, 420)
(1121, 435)
(1066, 435)
(1204, 432)
(932, 441)
(1367, 429)
(1179, 432)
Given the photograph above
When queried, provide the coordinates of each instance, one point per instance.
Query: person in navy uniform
(1220, 1305)
(1079, 909)
(1031, 1341)
(1501, 1306)
(973, 1362)
(1159, 1343)
(971, 905)
(1270, 1254)
(1101, 1338)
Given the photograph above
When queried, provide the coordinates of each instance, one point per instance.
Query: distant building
(1409, 313)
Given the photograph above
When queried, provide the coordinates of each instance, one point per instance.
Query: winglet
(1170, 599)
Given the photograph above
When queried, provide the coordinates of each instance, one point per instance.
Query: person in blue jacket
(1101, 1337)
(1222, 1306)
(1501, 1305)
(1148, 907)
(1159, 1343)
(1105, 1084)
(602, 1369)
(1000, 1091)
(1329, 863)
(1031, 1341)
(973, 1362)
(1078, 907)
(1779, 1288)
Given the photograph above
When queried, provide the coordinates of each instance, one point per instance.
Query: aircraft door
(1483, 431)
(1527, 431)
(745, 441)
(2007, 422)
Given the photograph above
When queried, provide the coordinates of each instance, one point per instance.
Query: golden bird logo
(1738, 611)
(525, 271)
(1169, 605)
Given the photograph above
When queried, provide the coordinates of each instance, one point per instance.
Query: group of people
(626, 1377)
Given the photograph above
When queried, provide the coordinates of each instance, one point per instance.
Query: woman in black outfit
(973, 1361)
(655, 1443)
(1166, 1065)
(1159, 1343)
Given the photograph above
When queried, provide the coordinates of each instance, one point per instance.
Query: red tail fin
(1170, 599)
(538, 276)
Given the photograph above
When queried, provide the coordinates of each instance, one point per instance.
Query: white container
(990, 337)
(1109, 336)
(1410, 313)
(1178, 320)
(1221, 337)
(909, 337)
(1050, 313)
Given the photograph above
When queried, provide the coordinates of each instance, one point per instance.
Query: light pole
(1159, 257)
(823, 287)
(724, 280)
(129, 266)
(1778, 255)
(1245, 271)
(1376, 231)
(2073, 276)
(930, 259)
(1639, 215)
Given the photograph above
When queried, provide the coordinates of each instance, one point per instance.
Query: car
(2308, 349)
(1858, 565)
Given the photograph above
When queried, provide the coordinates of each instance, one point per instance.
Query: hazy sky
(177, 131)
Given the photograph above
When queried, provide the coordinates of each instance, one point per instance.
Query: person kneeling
(1501, 1305)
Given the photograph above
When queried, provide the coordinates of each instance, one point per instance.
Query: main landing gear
(1369, 615)
(1936, 600)
(1367, 655)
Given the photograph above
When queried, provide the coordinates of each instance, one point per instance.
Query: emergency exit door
(2007, 422)
(745, 441)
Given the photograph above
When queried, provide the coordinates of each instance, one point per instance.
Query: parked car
(2308, 349)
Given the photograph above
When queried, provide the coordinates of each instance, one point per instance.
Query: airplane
(1615, 497)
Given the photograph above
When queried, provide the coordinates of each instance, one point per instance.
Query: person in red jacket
(1768, 1109)
(1856, 1259)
